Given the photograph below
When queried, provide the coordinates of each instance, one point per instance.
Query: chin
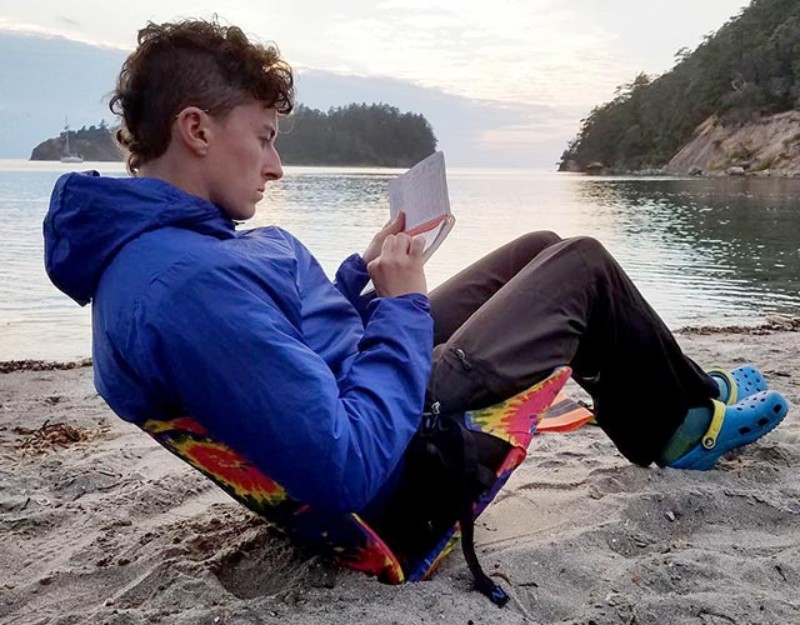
(241, 213)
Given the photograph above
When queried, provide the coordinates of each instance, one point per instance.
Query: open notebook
(421, 193)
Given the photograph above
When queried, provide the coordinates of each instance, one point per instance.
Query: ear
(192, 127)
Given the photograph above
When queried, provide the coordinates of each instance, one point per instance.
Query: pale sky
(503, 82)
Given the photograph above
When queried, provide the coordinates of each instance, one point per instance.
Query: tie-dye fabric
(347, 537)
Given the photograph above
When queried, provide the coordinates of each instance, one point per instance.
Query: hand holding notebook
(421, 193)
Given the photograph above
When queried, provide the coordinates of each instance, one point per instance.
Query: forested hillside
(749, 67)
(357, 134)
(377, 135)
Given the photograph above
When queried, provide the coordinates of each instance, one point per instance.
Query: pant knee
(535, 242)
(590, 247)
(541, 236)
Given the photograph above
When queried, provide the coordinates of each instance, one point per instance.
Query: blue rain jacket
(320, 388)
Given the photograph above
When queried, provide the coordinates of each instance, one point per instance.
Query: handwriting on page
(421, 193)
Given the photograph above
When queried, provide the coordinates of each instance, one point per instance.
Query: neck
(179, 174)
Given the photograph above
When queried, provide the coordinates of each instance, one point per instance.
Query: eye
(267, 139)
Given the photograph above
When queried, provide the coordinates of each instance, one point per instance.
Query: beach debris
(670, 515)
(771, 324)
(714, 618)
(9, 366)
(778, 372)
(51, 436)
(528, 584)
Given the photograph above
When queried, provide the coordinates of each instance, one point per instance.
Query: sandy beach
(100, 525)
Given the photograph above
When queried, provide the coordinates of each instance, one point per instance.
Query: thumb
(397, 224)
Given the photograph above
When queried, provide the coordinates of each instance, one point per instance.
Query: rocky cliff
(766, 145)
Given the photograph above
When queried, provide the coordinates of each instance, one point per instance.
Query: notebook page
(421, 193)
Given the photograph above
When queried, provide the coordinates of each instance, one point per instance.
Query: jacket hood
(91, 218)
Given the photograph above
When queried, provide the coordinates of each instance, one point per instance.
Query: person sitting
(320, 387)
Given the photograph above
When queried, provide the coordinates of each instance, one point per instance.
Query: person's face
(242, 158)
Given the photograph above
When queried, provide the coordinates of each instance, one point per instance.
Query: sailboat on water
(68, 156)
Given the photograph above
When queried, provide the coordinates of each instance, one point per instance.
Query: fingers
(417, 246)
(387, 247)
(399, 244)
(393, 226)
(399, 267)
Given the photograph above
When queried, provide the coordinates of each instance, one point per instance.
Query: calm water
(702, 251)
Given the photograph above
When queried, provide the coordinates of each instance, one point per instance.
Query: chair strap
(471, 474)
(450, 440)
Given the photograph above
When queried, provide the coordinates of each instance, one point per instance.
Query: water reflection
(332, 214)
(701, 250)
(731, 245)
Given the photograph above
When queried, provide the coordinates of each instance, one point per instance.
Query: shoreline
(27, 364)
(101, 525)
(771, 324)
(699, 175)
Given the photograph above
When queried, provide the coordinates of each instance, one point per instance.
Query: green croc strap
(710, 437)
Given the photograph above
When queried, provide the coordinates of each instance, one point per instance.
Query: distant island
(728, 107)
(376, 135)
(95, 143)
(358, 134)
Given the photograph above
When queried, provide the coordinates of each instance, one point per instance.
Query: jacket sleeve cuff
(351, 278)
(418, 300)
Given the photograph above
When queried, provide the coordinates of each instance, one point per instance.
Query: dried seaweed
(9, 366)
(52, 436)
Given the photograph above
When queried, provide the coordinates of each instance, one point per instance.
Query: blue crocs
(734, 426)
(740, 383)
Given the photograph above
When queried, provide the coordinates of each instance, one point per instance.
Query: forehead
(255, 114)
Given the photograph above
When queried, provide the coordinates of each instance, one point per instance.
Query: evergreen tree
(357, 134)
(750, 66)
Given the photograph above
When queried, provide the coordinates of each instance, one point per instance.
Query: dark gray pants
(539, 302)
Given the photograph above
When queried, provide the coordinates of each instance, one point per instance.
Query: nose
(273, 170)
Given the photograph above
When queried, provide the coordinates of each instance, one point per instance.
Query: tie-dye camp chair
(348, 538)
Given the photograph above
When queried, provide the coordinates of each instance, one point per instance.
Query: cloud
(531, 52)
(54, 77)
(68, 21)
(504, 83)
(64, 29)
(537, 51)
(472, 131)
(553, 52)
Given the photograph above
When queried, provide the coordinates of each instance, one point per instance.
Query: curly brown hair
(192, 63)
